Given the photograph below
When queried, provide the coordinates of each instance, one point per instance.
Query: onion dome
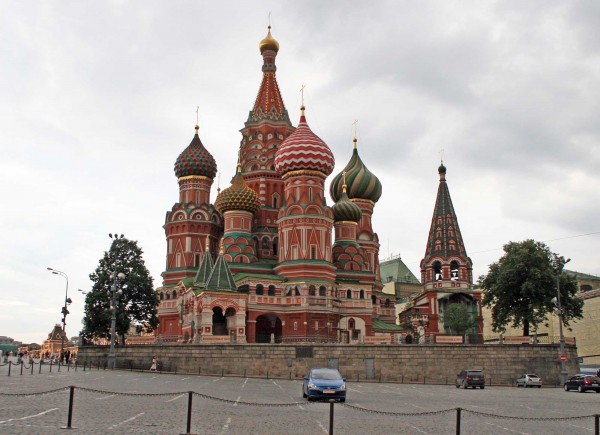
(442, 171)
(304, 150)
(362, 183)
(269, 43)
(195, 160)
(238, 196)
(346, 210)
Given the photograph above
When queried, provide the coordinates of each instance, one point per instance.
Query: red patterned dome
(304, 150)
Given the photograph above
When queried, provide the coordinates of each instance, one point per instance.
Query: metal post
(70, 415)
(41, 362)
(32, 364)
(21, 368)
(189, 414)
(596, 424)
(9, 366)
(562, 377)
(50, 366)
(113, 325)
(331, 402)
(458, 421)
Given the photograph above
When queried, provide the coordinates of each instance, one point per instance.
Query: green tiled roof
(380, 325)
(397, 270)
(204, 270)
(220, 278)
(258, 276)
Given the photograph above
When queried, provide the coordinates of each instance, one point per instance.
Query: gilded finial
(221, 247)
(239, 163)
(302, 108)
(355, 140)
(344, 187)
(207, 245)
(442, 154)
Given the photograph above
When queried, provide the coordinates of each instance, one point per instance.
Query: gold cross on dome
(302, 93)
(269, 19)
(442, 154)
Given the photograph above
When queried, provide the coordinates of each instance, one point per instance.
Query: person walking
(154, 363)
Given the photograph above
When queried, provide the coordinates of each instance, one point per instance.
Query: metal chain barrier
(219, 399)
(116, 393)
(510, 417)
(400, 414)
(36, 393)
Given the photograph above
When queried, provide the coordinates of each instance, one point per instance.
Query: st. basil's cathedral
(271, 262)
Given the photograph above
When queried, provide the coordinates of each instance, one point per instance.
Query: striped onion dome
(195, 160)
(238, 196)
(346, 210)
(304, 150)
(362, 183)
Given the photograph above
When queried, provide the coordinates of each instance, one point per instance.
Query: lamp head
(121, 276)
(69, 301)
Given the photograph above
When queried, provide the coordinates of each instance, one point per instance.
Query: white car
(529, 380)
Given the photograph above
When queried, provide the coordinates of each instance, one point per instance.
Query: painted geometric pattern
(304, 150)
(195, 160)
(348, 258)
(269, 103)
(238, 197)
(361, 183)
(239, 249)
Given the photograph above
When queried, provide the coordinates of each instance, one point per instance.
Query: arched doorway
(267, 326)
(219, 322)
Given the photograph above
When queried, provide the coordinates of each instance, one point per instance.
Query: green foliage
(137, 304)
(458, 319)
(520, 287)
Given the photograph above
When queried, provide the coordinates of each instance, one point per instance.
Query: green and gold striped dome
(195, 160)
(238, 196)
(362, 183)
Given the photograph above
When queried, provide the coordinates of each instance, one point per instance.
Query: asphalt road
(432, 408)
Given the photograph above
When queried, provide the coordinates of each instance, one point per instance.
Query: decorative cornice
(302, 172)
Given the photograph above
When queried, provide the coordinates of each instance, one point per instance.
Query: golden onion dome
(269, 43)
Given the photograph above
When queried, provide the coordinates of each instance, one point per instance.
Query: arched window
(348, 294)
(161, 296)
(244, 288)
(362, 294)
(322, 291)
(351, 324)
(271, 290)
(297, 291)
(276, 246)
(585, 287)
(275, 200)
(312, 291)
(454, 271)
(288, 290)
(374, 299)
(437, 271)
(168, 295)
(260, 289)
(174, 294)
(388, 302)
(265, 244)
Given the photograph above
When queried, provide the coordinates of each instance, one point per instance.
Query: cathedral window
(322, 291)
(275, 246)
(348, 294)
(351, 323)
(178, 260)
(451, 232)
(196, 259)
(271, 291)
(438, 246)
(295, 326)
(265, 243)
(362, 294)
(174, 294)
(168, 296)
(310, 194)
(313, 253)
(297, 291)
(374, 299)
(437, 271)
(275, 201)
(288, 291)
(452, 245)
(161, 296)
(312, 291)
(454, 271)
(260, 289)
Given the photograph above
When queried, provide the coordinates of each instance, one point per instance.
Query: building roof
(195, 160)
(394, 270)
(380, 325)
(444, 231)
(206, 266)
(220, 278)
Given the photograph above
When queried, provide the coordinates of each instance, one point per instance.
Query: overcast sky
(97, 100)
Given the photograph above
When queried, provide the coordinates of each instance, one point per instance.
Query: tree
(521, 287)
(458, 319)
(136, 305)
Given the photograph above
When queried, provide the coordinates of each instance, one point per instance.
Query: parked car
(529, 380)
(324, 383)
(583, 383)
(470, 378)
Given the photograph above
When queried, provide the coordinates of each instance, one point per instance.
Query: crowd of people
(65, 357)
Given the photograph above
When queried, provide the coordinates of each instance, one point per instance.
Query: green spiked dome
(195, 160)
(362, 183)
(346, 210)
(238, 196)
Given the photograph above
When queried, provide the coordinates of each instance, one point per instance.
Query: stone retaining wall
(405, 363)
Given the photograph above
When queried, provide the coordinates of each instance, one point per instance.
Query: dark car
(324, 383)
(583, 383)
(470, 378)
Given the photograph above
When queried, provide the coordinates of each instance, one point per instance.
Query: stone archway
(268, 328)
(219, 322)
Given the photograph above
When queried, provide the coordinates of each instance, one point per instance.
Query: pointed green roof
(220, 278)
(206, 266)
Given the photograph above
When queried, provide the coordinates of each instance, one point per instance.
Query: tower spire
(354, 140)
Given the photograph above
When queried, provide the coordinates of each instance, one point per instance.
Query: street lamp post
(64, 310)
(116, 287)
(562, 377)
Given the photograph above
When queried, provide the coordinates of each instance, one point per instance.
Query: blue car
(324, 383)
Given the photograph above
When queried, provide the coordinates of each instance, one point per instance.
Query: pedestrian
(67, 356)
(154, 363)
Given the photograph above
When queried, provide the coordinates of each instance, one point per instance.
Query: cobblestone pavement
(115, 411)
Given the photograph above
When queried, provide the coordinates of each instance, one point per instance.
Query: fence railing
(454, 413)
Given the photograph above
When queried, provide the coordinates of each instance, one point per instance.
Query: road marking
(244, 384)
(355, 390)
(321, 426)
(132, 380)
(175, 398)
(280, 387)
(215, 380)
(237, 400)
(226, 425)
(127, 421)
(417, 429)
(105, 397)
(95, 379)
(183, 379)
(29, 416)
(507, 429)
